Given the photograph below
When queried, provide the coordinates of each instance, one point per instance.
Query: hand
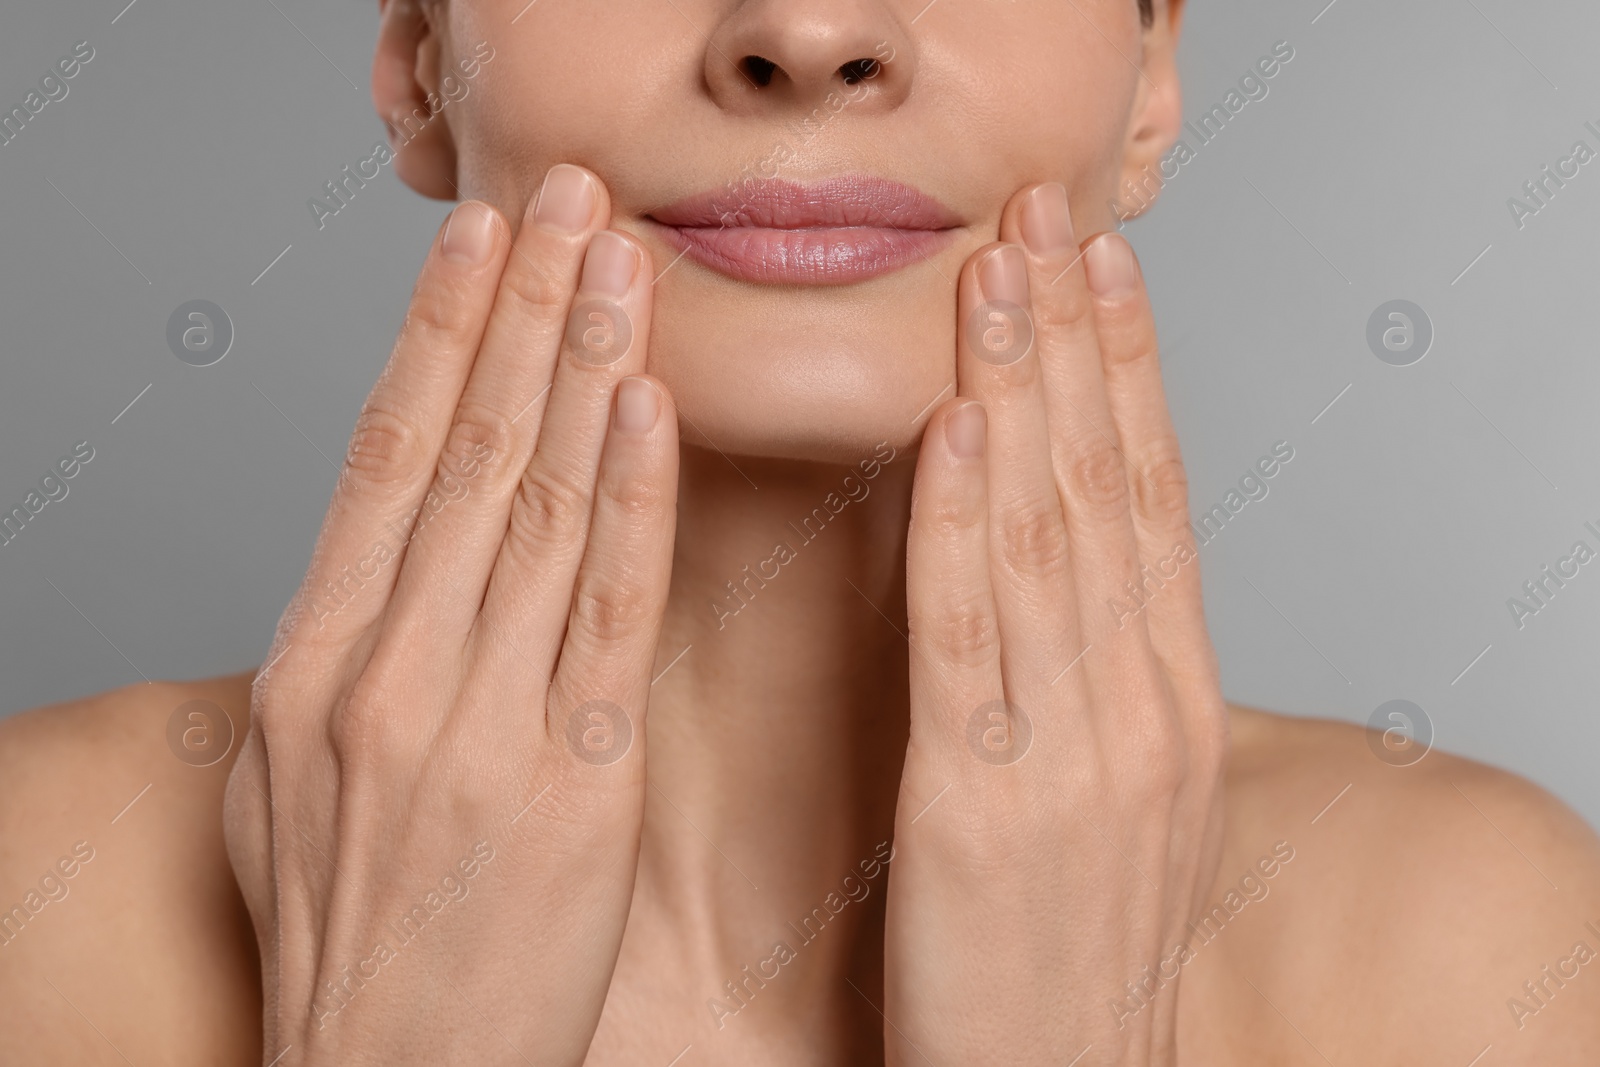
(1060, 812)
(435, 817)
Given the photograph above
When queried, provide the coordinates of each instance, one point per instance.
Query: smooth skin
(416, 742)
(1014, 551)
(398, 736)
(815, 755)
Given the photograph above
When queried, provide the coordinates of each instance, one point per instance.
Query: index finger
(394, 448)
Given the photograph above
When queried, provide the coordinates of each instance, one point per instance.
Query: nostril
(758, 70)
(859, 70)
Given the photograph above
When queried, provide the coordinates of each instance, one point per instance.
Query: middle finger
(497, 421)
(1087, 458)
(999, 366)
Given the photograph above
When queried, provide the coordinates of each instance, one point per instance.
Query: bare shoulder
(1412, 913)
(122, 933)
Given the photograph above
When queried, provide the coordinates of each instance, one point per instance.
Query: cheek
(568, 87)
(1072, 119)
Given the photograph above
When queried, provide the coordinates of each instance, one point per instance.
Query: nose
(774, 55)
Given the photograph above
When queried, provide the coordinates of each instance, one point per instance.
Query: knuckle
(1163, 491)
(549, 509)
(1066, 309)
(437, 312)
(964, 633)
(612, 609)
(370, 731)
(477, 438)
(1098, 481)
(947, 519)
(634, 497)
(1034, 540)
(536, 290)
(385, 449)
(1134, 349)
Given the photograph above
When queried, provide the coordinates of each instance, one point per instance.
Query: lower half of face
(809, 175)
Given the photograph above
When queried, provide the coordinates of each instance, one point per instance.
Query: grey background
(1377, 168)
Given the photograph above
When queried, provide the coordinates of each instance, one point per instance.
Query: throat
(776, 736)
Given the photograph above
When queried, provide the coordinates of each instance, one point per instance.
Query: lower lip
(835, 255)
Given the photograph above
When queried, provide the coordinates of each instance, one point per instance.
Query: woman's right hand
(435, 817)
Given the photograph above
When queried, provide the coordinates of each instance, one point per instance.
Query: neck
(776, 739)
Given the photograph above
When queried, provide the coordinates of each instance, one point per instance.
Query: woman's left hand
(1060, 812)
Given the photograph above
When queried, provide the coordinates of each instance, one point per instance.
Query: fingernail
(638, 404)
(609, 265)
(469, 233)
(566, 200)
(1110, 266)
(1003, 275)
(1047, 221)
(964, 430)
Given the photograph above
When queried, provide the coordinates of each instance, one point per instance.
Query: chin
(821, 373)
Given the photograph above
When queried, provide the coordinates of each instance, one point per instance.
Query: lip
(831, 232)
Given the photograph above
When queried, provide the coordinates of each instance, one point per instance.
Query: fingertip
(638, 405)
(1112, 268)
(471, 232)
(1045, 220)
(610, 265)
(1003, 275)
(567, 201)
(966, 430)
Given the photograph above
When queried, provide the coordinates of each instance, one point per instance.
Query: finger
(1088, 458)
(530, 589)
(491, 438)
(394, 448)
(1168, 586)
(601, 687)
(999, 366)
(950, 603)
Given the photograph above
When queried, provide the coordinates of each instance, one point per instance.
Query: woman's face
(809, 175)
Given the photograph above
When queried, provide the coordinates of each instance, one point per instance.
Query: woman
(936, 767)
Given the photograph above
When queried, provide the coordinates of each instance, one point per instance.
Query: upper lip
(776, 203)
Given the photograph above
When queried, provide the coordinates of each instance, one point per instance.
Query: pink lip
(831, 232)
